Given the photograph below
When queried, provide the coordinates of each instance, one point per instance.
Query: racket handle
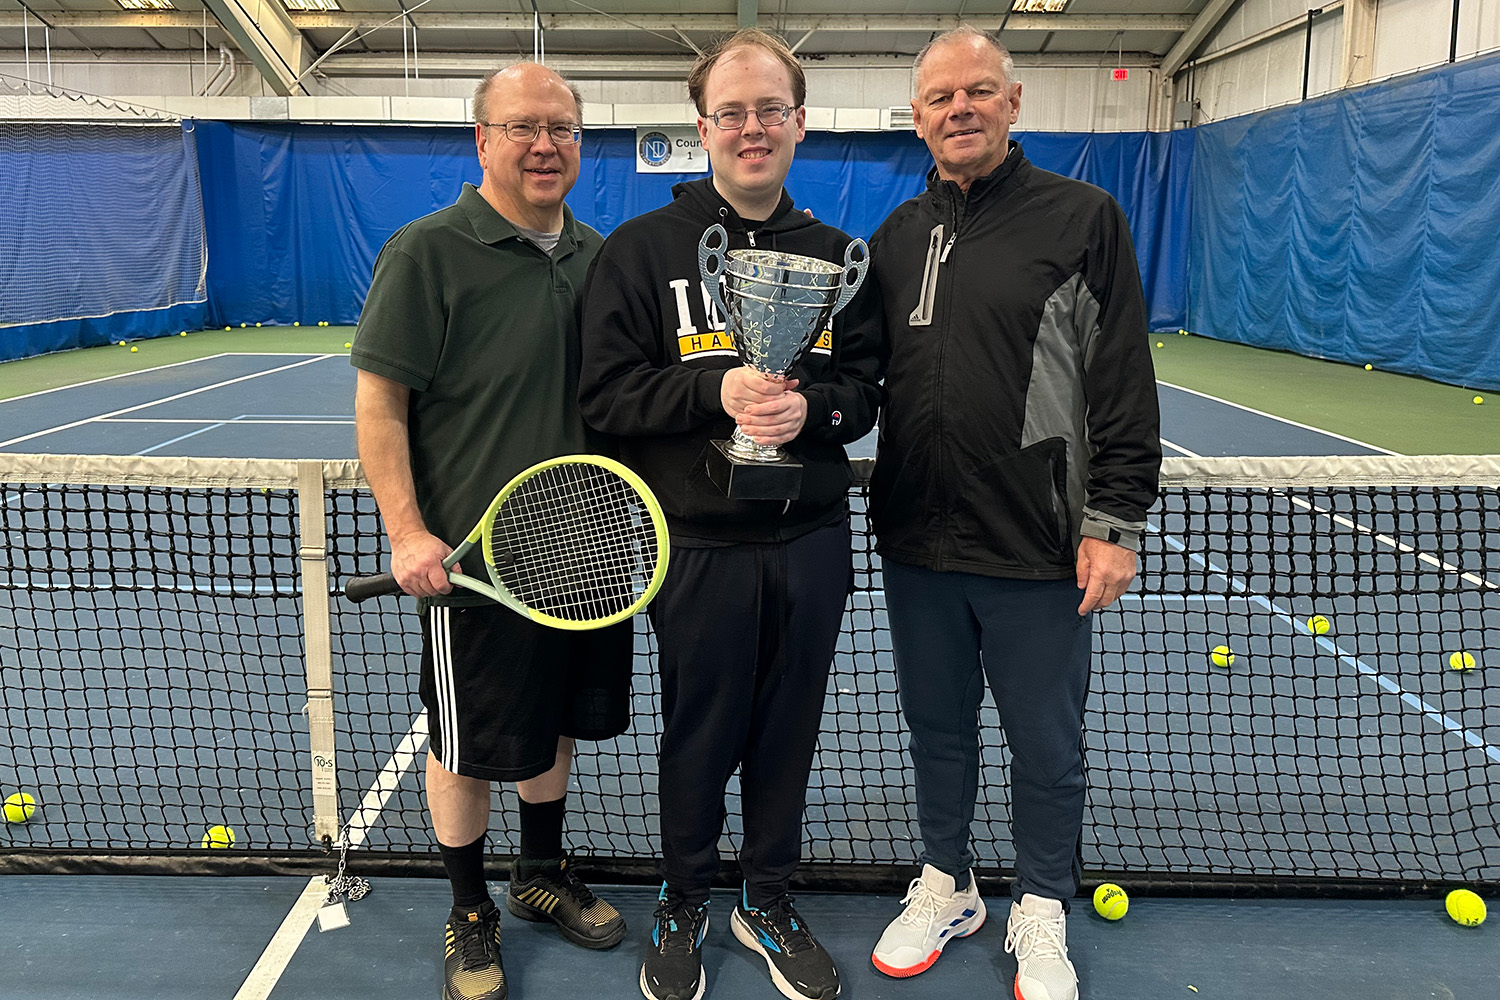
(362, 588)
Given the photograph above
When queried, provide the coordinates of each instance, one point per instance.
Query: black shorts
(500, 689)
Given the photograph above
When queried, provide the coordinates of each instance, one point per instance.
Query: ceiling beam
(747, 13)
(665, 23)
(264, 32)
(582, 67)
(1205, 24)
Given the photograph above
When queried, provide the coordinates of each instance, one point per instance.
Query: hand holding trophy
(775, 305)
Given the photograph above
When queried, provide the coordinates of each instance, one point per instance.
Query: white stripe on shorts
(447, 696)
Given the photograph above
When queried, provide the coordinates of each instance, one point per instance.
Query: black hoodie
(654, 355)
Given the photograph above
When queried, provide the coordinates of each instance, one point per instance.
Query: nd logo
(655, 149)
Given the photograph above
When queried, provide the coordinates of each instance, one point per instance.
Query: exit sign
(1122, 74)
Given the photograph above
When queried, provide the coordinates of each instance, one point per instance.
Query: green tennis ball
(19, 807)
(296, 322)
(1111, 902)
(182, 334)
(1478, 400)
(1160, 344)
(1369, 368)
(1465, 907)
(218, 837)
(348, 344)
(1221, 656)
(226, 328)
(1319, 625)
(243, 325)
(257, 326)
(1461, 660)
(135, 350)
(122, 343)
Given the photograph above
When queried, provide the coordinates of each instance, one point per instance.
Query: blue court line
(1386, 684)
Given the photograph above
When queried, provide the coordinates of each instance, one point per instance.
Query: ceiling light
(303, 5)
(147, 4)
(1038, 6)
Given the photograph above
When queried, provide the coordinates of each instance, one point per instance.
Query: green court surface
(1397, 412)
(49, 371)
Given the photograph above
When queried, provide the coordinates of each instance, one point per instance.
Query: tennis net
(174, 656)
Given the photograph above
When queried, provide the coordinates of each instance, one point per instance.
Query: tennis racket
(576, 542)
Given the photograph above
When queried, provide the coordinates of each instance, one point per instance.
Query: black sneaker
(673, 969)
(556, 894)
(799, 966)
(471, 962)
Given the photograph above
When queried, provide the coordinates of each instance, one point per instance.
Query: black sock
(541, 831)
(465, 868)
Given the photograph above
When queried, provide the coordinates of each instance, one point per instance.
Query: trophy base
(742, 480)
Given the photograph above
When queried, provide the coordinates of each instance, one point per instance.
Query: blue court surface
(1375, 737)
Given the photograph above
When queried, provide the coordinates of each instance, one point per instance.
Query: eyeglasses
(524, 131)
(767, 114)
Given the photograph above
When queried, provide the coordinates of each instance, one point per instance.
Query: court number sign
(669, 150)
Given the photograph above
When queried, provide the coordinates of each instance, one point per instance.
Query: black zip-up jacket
(1021, 404)
(655, 353)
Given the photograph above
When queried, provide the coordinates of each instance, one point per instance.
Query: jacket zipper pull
(949, 246)
(752, 239)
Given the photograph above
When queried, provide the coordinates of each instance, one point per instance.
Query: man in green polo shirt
(467, 352)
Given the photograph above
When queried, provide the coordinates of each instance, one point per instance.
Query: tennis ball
(1319, 625)
(182, 334)
(1461, 661)
(1465, 907)
(20, 807)
(243, 325)
(348, 344)
(1369, 368)
(122, 343)
(1160, 344)
(226, 328)
(257, 326)
(1478, 400)
(1222, 657)
(218, 837)
(296, 322)
(135, 350)
(1110, 901)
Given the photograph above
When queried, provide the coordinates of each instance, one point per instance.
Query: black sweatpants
(745, 636)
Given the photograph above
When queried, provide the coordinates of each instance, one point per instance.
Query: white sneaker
(935, 914)
(1038, 934)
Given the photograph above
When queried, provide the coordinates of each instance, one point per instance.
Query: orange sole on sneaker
(926, 963)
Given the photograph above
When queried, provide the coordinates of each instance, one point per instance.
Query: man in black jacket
(1018, 456)
(748, 617)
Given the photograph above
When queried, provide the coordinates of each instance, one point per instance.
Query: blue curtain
(297, 213)
(1360, 227)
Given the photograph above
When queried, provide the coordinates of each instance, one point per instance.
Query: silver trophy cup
(775, 305)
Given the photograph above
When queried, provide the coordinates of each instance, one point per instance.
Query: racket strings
(575, 541)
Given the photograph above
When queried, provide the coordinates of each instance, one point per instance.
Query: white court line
(1179, 448)
(1396, 544)
(1272, 416)
(175, 364)
(165, 399)
(233, 420)
(1384, 682)
(288, 937)
(284, 943)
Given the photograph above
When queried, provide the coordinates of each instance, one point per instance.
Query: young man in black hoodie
(747, 621)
